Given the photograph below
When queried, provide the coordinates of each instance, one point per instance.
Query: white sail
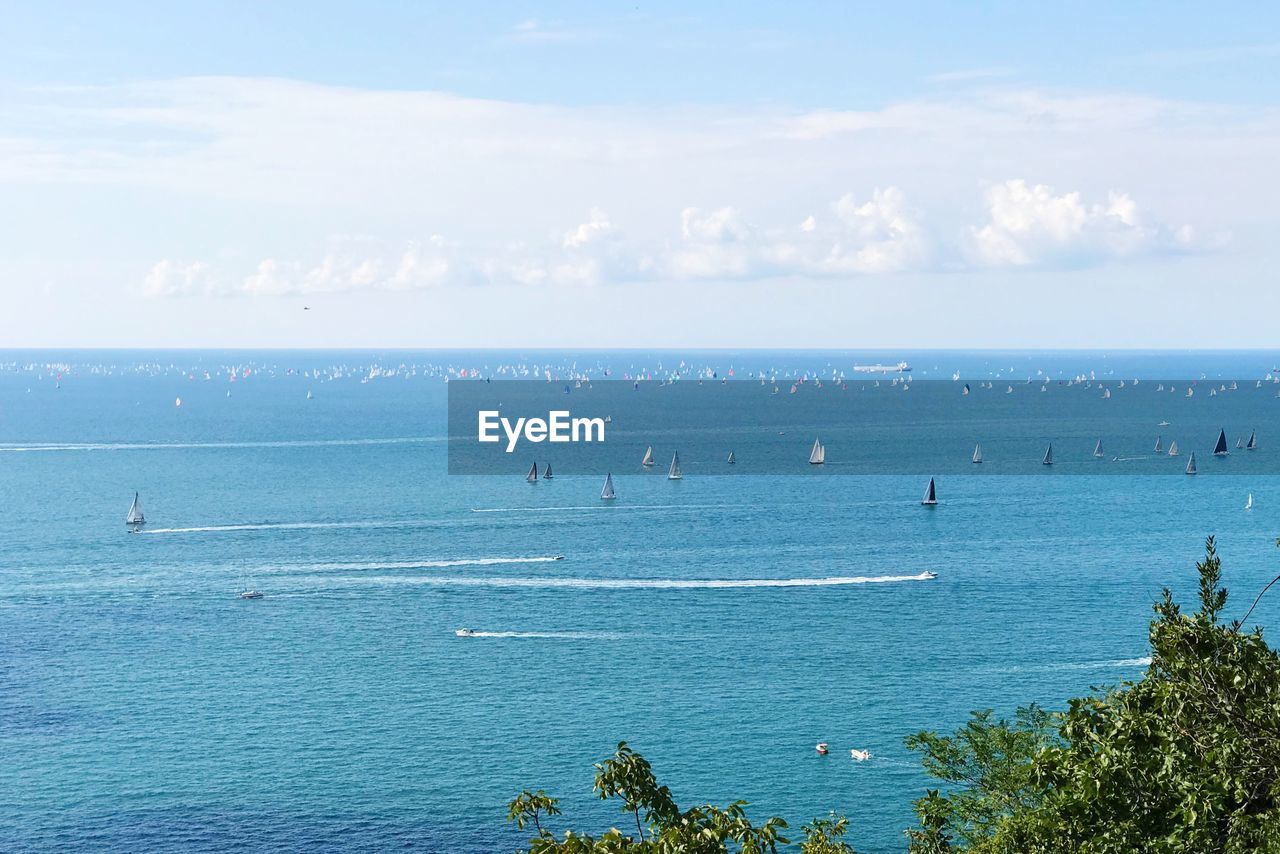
(674, 473)
(1173, 448)
(1048, 455)
(546, 473)
(607, 494)
(731, 459)
(818, 455)
(648, 457)
(977, 453)
(1097, 449)
(1158, 449)
(532, 476)
(135, 516)
(1248, 505)
(1191, 463)
(930, 494)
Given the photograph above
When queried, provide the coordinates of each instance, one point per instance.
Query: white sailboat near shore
(134, 518)
(674, 472)
(818, 455)
(607, 494)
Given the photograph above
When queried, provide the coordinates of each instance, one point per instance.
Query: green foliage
(661, 827)
(1185, 760)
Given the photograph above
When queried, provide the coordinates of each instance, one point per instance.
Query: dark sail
(1220, 448)
(930, 494)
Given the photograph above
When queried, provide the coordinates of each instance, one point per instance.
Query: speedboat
(860, 755)
(465, 633)
(821, 747)
(928, 576)
(251, 594)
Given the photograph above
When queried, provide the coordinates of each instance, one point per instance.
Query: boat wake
(1118, 663)
(612, 508)
(417, 564)
(648, 583)
(294, 526)
(556, 635)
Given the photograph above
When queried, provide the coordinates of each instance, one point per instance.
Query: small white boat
(674, 473)
(251, 594)
(821, 747)
(1162, 423)
(859, 755)
(134, 518)
(818, 454)
(1248, 505)
(465, 633)
(928, 576)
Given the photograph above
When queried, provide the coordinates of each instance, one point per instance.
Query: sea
(722, 625)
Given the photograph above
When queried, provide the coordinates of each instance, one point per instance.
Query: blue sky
(696, 175)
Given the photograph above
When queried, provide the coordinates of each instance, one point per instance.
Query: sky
(688, 175)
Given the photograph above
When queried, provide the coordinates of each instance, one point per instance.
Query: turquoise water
(143, 705)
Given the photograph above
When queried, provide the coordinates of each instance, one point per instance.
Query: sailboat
(1239, 443)
(1048, 455)
(930, 495)
(1220, 447)
(1097, 449)
(731, 460)
(1173, 448)
(648, 457)
(818, 455)
(135, 519)
(977, 454)
(546, 473)
(1158, 449)
(1191, 463)
(532, 476)
(1248, 505)
(1252, 444)
(607, 494)
(673, 473)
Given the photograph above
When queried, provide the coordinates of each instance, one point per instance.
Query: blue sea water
(143, 706)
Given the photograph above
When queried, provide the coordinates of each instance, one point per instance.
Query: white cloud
(174, 278)
(1031, 225)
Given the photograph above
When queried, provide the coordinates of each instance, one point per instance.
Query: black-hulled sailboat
(1252, 444)
(732, 459)
(546, 473)
(532, 476)
(1048, 455)
(930, 495)
(1220, 447)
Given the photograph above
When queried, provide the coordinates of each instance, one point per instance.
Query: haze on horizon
(575, 175)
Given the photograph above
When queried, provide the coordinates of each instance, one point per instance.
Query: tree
(1187, 759)
(661, 826)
